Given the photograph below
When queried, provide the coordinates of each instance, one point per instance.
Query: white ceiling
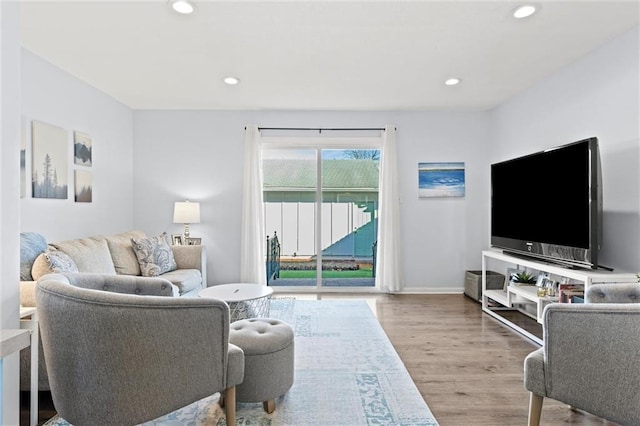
(317, 55)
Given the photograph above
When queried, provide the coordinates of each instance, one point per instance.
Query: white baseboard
(431, 290)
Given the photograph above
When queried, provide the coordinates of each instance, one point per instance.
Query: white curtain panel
(252, 250)
(389, 273)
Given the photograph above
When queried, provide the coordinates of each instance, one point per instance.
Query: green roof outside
(337, 174)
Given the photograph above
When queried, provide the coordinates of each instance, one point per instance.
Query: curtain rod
(321, 129)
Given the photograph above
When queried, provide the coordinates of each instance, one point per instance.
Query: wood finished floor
(467, 366)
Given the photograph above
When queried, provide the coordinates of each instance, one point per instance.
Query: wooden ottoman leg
(269, 406)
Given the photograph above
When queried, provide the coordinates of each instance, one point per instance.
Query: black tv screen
(549, 204)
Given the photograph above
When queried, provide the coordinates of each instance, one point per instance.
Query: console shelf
(518, 297)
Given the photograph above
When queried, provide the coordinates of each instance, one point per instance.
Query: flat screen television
(548, 205)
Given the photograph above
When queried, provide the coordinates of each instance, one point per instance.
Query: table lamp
(186, 212)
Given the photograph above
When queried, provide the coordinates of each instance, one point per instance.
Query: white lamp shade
(186, 212)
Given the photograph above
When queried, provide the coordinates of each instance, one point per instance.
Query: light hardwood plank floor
(467, 366)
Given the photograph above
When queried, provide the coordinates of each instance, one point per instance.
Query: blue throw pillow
(31, 246)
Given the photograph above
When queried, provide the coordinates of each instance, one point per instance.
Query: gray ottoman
(268, 359)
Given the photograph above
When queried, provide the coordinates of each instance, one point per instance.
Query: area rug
(347, 373)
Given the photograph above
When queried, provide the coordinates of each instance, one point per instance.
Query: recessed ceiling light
(183, 6)
(524, 11)
(452, 81)
(231, 80)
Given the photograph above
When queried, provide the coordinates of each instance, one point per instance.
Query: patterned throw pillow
(154, 255)
(60, 262)
(52, 261)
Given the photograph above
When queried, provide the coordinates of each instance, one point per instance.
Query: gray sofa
(110, 255)
(589, 359)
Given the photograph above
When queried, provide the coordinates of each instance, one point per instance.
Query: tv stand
(525, 298)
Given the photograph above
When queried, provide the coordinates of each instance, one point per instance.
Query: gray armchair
(115, 357)
(590, 356)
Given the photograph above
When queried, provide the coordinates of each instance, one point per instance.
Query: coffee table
(245, 300)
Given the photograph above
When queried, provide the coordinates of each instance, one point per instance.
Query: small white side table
(29, 321)
(244, 300)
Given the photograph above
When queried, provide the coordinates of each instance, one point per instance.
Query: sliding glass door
(322, 205)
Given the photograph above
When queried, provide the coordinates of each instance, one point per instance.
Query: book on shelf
(566, 292)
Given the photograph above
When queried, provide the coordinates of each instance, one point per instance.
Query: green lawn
(360, 273)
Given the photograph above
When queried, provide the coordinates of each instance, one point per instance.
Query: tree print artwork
(49, 178)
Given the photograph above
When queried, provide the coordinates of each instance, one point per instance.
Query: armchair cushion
(154, 255)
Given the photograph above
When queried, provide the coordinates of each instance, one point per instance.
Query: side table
(244, 300)
(29, 321)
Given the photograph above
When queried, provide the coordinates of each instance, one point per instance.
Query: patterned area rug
(347, 373)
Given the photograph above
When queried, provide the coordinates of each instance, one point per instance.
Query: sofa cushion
(121, 247)
(90, 254)
(154, 255)
(32, 245)
(185, 279)
(52, 261)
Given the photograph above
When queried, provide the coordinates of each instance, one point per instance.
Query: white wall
(55, 97)
(9, 194)
(596, 96)
(199, 155)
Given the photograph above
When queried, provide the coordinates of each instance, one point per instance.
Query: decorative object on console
(84, 188)
(154, 255)
(187, 213)
(441, 180)
(50, 152)
(523, 277)
(176, 239)
(193, 241)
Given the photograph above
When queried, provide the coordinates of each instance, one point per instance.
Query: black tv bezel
(564, 255)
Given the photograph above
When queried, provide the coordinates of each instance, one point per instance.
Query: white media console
(525, 298)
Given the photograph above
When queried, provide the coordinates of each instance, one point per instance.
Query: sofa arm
(613, 293)
(28, 293)
(192, 257)
(593, 348)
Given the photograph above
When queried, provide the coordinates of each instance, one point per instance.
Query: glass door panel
(349, 216)
(290, 188)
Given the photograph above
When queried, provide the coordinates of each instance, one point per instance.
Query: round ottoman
(268, 359)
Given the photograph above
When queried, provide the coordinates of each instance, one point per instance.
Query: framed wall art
(84, 186)
(82, 151)
(437, 180)
(49, 161)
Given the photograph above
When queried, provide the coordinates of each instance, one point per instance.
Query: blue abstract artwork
(441, 180)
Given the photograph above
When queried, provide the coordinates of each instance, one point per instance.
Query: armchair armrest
(191, 257)
(613, 293)
(591, 358)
